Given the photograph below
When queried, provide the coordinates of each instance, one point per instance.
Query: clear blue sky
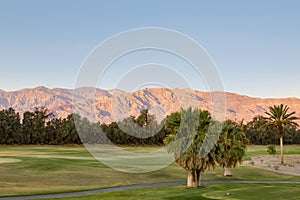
(255, 44)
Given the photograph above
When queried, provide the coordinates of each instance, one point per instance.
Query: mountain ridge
(113, 105)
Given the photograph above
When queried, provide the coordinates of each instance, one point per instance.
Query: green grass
(258, 150)
(219, 191)
(56, 169)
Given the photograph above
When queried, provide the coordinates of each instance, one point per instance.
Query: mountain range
(114, 105)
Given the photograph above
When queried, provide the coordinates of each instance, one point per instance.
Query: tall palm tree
(278, 117)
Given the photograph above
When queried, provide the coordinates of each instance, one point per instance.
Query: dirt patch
(272, 163)
(9, 160)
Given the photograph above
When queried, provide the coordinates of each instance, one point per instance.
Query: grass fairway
(27, 170)
(219, 191)
(258, 150)
(54, 169)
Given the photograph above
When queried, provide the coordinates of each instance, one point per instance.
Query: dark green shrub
(272, 149)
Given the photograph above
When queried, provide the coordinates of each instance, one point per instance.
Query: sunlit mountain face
(114, 105)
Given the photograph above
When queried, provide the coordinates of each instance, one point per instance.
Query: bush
(272, 149)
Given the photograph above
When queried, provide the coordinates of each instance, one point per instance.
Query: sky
(254, 44)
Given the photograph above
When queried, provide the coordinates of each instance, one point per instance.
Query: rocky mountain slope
(113, 105)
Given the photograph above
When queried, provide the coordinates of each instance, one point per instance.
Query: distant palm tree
(144, 118)
(231, 146)
(172, 124)
(278, 117)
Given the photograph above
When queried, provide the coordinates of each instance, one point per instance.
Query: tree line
(259, 134)
(37, 127)
(40, 127)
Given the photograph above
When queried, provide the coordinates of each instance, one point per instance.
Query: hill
(112, 105)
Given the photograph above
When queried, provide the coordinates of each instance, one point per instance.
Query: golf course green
(31, 170)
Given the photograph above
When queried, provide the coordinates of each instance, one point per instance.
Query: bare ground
(9, 160)
(291, 164)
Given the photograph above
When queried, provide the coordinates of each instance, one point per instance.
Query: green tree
(10, 127)
(185, 139)
(53, 131)
(271, 149)
(144, 118)
(172, 124)
(231, 146)
(140, 130)
(278, 117)
(70, 132)
(258, 133)
(34, 125)
(27, 124)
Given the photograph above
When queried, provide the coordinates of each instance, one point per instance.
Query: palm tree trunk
(191, 178)
(281, 144)
(227, 171)
(281, 150)
(198, 176)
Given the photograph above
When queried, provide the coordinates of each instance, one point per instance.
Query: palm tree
(144, 118)
(187, 131)
(278, 117)
(172, 123)
(231, 146)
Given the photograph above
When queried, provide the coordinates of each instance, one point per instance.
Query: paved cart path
(131, 187)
